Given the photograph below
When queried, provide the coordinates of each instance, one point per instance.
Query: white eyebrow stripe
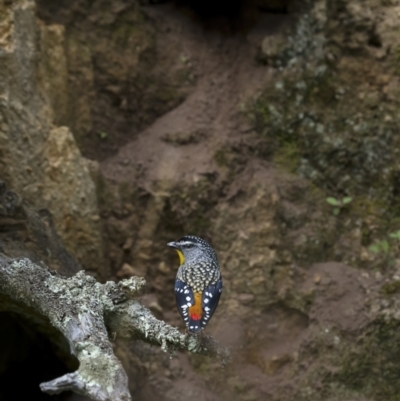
(186, 243)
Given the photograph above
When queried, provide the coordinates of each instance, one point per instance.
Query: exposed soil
(180, 148)
(182, 143)
(161, 95)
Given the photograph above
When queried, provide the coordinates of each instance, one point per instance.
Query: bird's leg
(200, 339)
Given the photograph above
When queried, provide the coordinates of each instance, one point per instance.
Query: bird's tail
(194, 325)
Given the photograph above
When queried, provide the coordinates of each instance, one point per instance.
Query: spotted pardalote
(198, 283)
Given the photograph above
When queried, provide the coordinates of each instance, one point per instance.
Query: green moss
(169, 95)
(288, 156)
(321, 91)
(232, 159)
(340, 155)
(365, 206)
(372, 365)
(315, 128)
(221, 157)
(390, 288)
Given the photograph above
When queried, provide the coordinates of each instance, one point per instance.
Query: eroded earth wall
(236, 124)
(39, 158)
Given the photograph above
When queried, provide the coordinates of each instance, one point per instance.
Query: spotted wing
(184, 299)
(211, 295)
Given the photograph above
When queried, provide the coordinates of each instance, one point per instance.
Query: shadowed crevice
(26, 353)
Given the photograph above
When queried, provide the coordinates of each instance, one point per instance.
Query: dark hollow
(231, 16)
(27, 358)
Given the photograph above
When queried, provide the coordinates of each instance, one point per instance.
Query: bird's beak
(176, 246)
(173, 245)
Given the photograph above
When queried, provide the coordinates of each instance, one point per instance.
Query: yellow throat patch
(181, 257)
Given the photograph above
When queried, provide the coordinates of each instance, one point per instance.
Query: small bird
(198, 283)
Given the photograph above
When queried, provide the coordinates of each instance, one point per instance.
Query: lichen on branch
(85, 312)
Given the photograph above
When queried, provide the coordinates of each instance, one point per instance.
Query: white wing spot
(187, 298)
(206, 301)
(206, 308)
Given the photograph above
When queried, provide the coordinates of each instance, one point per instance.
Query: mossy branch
(85, 312)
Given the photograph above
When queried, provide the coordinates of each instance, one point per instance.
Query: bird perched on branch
(198, 282)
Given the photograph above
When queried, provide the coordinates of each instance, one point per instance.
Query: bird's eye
(189, 246)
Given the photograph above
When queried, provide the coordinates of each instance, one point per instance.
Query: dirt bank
(236, 123)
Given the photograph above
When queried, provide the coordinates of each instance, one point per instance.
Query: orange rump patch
(196, 311)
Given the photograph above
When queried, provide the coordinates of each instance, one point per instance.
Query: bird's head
(191, 248)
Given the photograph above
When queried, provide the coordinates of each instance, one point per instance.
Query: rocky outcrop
(40, 160)
(30, 234)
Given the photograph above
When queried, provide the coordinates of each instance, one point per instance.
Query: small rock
(272, 48)
(156, 309)
(258, 281)
(127, 271)
(384, 79)
(365, 255)
(164, 268)
(273, 364)
(317, 279)
(143, 256)
(185, 137)
(128, 244)
(246, 298)
(372, 99)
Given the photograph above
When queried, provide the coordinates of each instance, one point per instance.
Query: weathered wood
(87, 313)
